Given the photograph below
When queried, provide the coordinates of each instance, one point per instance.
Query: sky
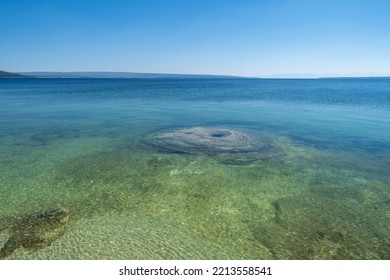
(256, 38)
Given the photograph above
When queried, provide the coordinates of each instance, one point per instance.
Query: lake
(320, 190)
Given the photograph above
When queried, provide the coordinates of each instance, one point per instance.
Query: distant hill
(123, 75)
(4, 74)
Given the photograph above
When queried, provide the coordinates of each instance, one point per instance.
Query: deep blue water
(367, 92)
(356, 111)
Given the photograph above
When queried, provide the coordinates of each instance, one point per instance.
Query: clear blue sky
(238, 37)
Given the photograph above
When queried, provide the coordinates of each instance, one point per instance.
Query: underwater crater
(228, 145)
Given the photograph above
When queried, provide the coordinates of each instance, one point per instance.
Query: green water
(322, 194)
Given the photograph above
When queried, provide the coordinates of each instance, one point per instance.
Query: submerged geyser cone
(205, 140)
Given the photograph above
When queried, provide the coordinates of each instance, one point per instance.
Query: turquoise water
(322, 192)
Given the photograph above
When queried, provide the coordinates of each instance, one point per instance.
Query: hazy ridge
(123, 75)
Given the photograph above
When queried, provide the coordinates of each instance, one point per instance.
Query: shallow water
(323, 192)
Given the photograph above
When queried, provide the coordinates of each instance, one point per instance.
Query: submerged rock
(228, 145)
(311, 227)
(35, 231)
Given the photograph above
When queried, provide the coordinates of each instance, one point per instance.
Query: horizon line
(267, 76)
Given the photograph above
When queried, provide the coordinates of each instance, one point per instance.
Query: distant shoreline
(123, 75)
(136, 75)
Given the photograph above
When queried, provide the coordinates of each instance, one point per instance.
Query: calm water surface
(323, 192)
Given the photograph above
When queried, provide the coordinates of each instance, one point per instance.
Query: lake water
(321, 192)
